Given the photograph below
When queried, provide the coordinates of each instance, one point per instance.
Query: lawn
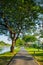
(6, 57)
(38, 54)
(33, 49)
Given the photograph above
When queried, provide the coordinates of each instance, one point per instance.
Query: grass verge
(6, 57)
(38, 55)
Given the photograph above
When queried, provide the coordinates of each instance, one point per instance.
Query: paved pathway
(23, 58)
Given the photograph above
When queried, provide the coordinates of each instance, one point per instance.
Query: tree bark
(13, 41)
(13, 44)
(14, 38)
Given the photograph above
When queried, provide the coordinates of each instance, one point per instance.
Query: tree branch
(3, 25)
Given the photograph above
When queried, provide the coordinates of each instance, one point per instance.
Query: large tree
(17, 16)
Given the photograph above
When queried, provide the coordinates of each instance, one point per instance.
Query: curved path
(23, 58)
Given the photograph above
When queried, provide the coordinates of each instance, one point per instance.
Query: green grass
(33, 49)
(38, 54)
(6, 57)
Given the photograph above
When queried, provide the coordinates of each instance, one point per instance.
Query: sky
(5, 39)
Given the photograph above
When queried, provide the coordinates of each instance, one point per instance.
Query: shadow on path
(22, 58)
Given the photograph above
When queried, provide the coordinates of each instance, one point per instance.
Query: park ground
(6, 57)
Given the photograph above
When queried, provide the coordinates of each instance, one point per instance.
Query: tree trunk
(13, 44)
(14, 38)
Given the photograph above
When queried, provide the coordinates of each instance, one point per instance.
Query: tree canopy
(17, 16)
(18, 13)
(29, 38)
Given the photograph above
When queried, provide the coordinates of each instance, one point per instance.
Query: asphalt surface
(22, 58)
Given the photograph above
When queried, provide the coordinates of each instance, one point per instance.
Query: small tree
(29, 38)
(19, 42)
